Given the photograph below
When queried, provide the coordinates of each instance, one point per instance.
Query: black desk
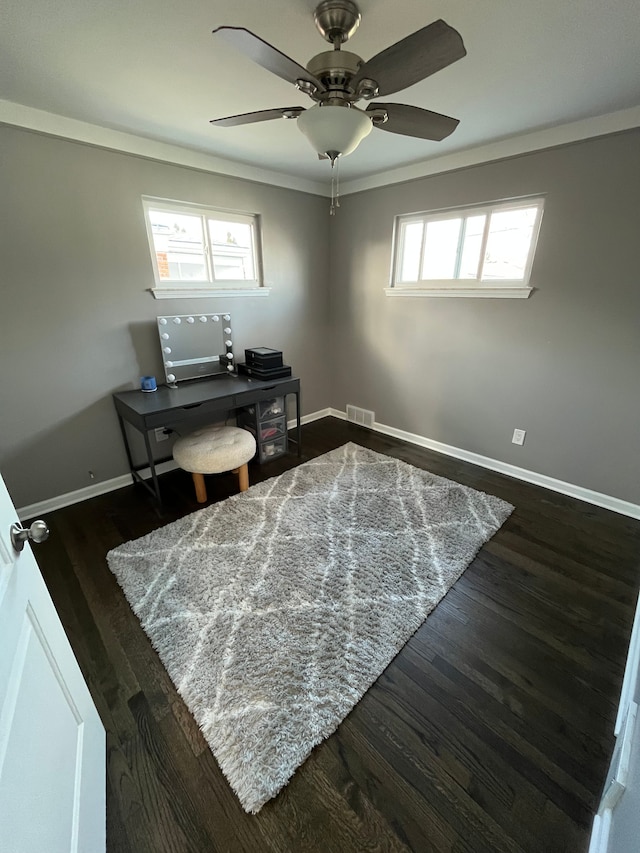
(171, 406)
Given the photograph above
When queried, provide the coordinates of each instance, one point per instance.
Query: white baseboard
(91, 491)
(314, 416)
(596, 498)
(95, 489)
(582, 494)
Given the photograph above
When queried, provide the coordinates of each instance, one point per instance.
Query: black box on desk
(263, 357)
(260, 373)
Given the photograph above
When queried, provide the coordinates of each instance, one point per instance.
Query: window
(476, 251)
(198, 251)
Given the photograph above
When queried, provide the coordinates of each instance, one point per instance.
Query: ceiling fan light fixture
(335, 130)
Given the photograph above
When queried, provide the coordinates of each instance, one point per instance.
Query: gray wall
(78, 322)
(562, 364)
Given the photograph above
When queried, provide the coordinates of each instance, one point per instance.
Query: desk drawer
(201, 411)
(254, 395)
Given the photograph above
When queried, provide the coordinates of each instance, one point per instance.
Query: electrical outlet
(518, 436)
(160, 434)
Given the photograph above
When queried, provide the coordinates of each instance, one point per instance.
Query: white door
(52, 743)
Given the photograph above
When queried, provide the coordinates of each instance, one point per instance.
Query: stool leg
(201, 489)
(243, 477)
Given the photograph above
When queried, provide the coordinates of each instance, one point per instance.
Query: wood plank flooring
(491, 731)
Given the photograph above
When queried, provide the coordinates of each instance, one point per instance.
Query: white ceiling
(153, 69)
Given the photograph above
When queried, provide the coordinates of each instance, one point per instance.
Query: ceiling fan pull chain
(332, 209)
(335, 186)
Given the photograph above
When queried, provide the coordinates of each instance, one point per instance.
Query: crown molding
(51, 124)
(511, 147)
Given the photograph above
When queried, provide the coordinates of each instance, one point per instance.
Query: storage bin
(268, 423)
(271, 449)
(270, 408)
(269, 430)
(266, 431)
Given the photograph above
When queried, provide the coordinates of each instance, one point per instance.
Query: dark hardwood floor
(491, 731)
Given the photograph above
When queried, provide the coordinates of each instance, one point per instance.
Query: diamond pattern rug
(275, 610)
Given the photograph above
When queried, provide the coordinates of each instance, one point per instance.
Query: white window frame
(506, 288)
(177, 289)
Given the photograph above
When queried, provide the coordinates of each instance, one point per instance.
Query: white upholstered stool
(212, 450)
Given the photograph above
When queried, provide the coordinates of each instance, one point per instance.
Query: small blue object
(148, 383)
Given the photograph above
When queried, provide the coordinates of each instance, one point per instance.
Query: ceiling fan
(336, 80)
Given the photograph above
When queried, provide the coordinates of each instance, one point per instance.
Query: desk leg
(152, 468)
(125, 440)
(135, 476)
(299, 428)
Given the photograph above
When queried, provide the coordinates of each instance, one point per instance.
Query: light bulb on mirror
(171, 377)
(164, 336)
(177, 321)
(227, 331)
(162, 321)
(167, 350)
(190, 320)
(215, 318)
(168, 364)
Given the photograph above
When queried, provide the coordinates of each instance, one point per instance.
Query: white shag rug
(275, 610)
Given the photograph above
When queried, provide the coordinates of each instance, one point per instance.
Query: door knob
(38, 532)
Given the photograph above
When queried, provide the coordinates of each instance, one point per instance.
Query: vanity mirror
(195, 346)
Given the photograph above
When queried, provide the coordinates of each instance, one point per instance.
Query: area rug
(275, 610)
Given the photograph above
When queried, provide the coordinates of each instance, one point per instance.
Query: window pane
(508, 245)
(411, 246)
(441, 249)
(232, 250)
(179, 246)
(184, 267)
(471, 246)
(230, 233)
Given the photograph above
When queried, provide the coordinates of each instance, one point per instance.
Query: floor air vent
(363, 417)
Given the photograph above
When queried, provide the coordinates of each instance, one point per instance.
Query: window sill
(192, 292)
(516, 292)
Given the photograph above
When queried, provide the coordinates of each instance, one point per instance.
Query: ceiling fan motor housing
(335, 69)
(337, 20)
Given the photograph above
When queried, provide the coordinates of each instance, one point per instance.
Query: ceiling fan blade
(414, 121)
(413, 58)
(267, 56)
(261, 115)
